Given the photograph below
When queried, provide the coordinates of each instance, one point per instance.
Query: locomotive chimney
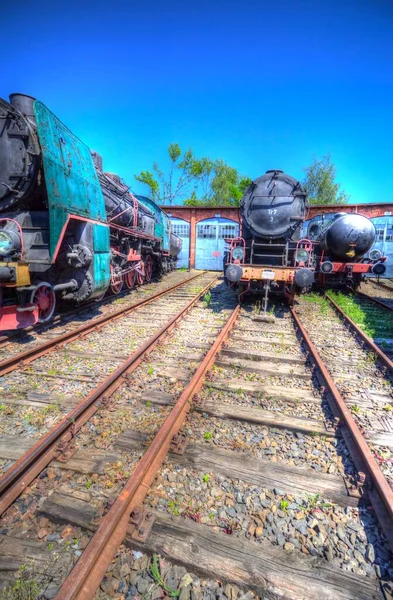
(25, 105)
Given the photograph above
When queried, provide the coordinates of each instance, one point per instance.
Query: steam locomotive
(270, 254)
(68, 230)
(343, 248)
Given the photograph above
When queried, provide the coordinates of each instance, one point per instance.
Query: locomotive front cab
(283, 280)
(343, 245)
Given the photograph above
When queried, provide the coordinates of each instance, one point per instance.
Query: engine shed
(203, 229)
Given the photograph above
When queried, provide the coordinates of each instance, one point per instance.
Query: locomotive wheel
(117, 287)
(148, 268)
(140, 277)
(45, 298)
(129, 279)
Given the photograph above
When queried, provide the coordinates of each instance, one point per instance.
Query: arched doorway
(181, 228)
(210, 242)
(384, 240)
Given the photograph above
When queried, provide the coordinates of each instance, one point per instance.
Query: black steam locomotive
(270, 253)
(343, 248)
(68, 230)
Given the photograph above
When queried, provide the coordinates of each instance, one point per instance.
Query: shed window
(207, 231)
(389, 233)
(181, 229)
(228, 231)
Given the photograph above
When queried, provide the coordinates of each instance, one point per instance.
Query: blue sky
(260, 84)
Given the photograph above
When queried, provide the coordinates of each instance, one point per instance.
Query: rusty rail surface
(87, 574)
(382, 285)
(370, 343)
(54, 442)
(61, 317)
(10, 364)
(374, 472)
(375, 300)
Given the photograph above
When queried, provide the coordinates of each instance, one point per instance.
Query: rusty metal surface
(375, 300)
(55, 442)
(87, 574)
(12, 363)
(381, 355)
(375, 474)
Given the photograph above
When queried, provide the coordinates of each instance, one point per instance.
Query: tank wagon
(69, 231)
(270, 255)
(343, 248)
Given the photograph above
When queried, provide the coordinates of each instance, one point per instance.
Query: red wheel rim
(117, 287)
(140, 277)
(129, 279)
(148, 268)
(45, 299)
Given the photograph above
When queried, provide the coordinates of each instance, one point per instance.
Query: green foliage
(150, 370)
(174, 508)
(207, 298)
(194, 181)
(206, 478)
(25, 588)
(184, 173)
(320, 184)
(155, 572)
(207, 435)
(284, 505)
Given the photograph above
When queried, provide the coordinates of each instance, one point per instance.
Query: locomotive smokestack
(25, 105)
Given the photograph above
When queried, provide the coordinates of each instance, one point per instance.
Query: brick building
(203, 229)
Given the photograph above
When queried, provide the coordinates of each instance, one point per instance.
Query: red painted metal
(11, 318)
(12, 363)
(375, 473)
(25, 469)
(87, 574)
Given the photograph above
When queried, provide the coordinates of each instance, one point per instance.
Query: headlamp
(302, 255)
(375, 254)
(6, 243)
(378, 269)
(238, 253)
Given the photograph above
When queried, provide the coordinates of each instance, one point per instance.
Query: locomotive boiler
(69, 231)
(270, 253)
(343, 246)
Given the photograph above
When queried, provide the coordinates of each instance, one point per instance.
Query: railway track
(45, 340)
(386, 284)
(12, 342)
(371, 318)
(259, 486)
(381, 293)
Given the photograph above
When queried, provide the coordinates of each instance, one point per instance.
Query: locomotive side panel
(71, 179)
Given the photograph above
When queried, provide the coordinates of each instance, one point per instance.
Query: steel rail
(382, 285)
(375, 300)
(372, 345)
(87, 574)
(28, 466)
(375, 473)
(62, 318)
(10, 364)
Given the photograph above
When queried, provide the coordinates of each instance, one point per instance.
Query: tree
(184, 174)
(194, 181)
(320, 183)
(226, 187)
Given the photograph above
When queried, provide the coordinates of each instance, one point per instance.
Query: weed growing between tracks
(374, 322)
